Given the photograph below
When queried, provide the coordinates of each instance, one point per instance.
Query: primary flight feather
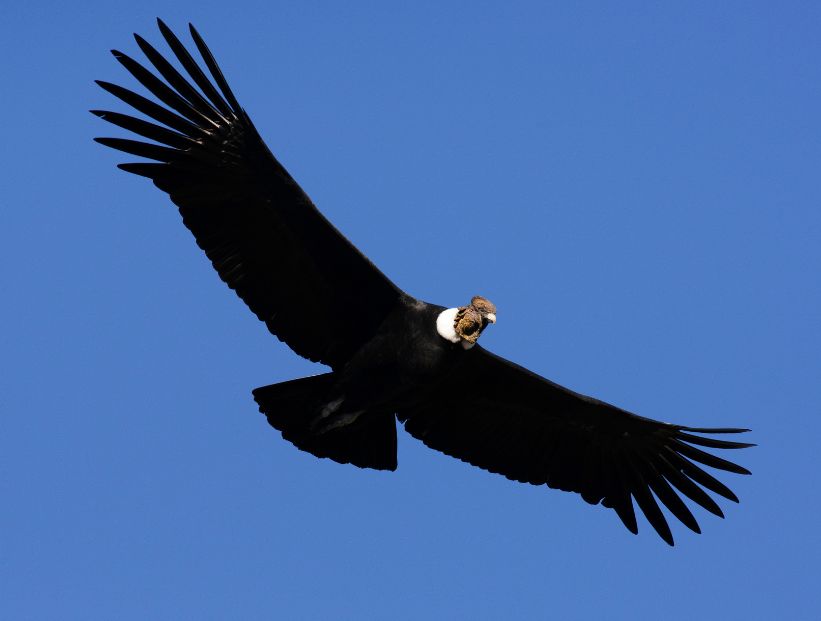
(392, 356)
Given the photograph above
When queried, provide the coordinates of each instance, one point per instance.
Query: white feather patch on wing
(445, 323)
(332, 407)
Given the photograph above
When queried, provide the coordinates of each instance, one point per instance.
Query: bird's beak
(491, 317)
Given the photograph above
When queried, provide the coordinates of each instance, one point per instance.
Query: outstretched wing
(263, 235)
(501, 417)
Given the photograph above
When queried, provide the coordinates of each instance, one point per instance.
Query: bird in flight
(391, 356)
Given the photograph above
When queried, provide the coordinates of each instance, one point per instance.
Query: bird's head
(465, 324)
(472, 319)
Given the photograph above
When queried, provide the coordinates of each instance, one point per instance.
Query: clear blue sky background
(637, 188)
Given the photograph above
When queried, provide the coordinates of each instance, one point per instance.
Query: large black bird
(391, 355)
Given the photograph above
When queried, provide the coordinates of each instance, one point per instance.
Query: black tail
(367, 441)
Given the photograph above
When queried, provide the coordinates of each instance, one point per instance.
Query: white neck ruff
(445, 326)
(445, 323)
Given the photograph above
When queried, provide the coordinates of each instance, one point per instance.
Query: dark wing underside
(501, 417)
(297, 273)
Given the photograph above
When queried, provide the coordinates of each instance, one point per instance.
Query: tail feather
(367, 441)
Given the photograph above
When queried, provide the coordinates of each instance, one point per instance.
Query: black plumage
(391, 356)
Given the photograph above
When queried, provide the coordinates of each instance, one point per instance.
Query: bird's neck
(446, 327)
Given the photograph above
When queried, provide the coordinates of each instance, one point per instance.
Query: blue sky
(637, 189)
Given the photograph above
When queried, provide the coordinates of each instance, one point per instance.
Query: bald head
(471, 320)
(484, 307)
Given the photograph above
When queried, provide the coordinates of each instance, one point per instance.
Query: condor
(391, 355)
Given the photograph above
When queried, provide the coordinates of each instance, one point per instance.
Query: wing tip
(713, 429)
(164, 29)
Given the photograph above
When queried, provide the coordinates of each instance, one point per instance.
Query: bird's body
(400, 366)
(391, 356)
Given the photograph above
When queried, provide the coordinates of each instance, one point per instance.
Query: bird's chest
(406, 358)
(422, 355)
